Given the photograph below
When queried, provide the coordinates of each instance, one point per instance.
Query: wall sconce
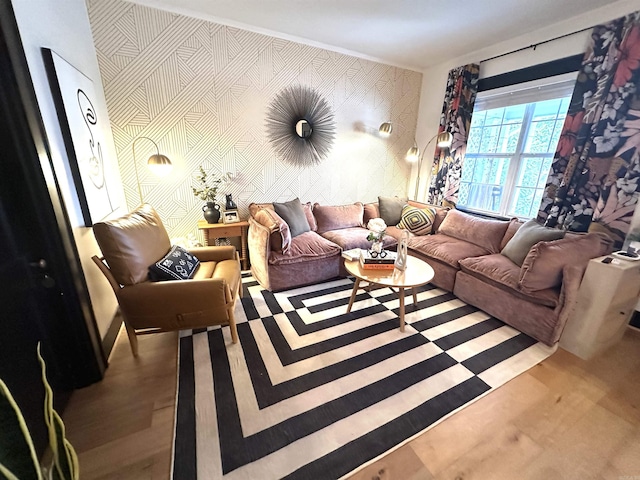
(445, 139)
(159, 164)
(385, 129)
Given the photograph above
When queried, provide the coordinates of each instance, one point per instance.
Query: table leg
(401, 310)
(415, 297)
(243, 242)
(353, 294)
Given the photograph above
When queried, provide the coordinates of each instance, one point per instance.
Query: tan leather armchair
(130, 244)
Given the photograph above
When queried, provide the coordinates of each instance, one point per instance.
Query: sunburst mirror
(300, 126)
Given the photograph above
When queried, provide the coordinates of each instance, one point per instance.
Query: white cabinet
(606, 300)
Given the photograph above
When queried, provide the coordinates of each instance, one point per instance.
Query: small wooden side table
(212, 231)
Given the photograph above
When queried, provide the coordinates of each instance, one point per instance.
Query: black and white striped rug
(311, 392)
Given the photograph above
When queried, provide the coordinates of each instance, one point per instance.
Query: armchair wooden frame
(195, 292)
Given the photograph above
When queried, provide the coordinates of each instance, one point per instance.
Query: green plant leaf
(65, 461)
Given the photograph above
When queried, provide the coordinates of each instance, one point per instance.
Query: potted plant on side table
(206, 190)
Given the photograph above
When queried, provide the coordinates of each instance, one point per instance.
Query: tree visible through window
(510, 150)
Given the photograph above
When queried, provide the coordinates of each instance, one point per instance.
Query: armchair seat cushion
(306, 246)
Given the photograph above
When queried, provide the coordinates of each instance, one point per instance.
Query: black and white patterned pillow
(178, 264)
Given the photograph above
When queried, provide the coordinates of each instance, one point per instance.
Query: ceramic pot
(211, 212)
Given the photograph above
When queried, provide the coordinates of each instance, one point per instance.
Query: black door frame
(87, 360)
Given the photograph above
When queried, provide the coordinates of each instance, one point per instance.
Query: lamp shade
(385, 129)
(160, 165)
(413, 154)
(445, 139)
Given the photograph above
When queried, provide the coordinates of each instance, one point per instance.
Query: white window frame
(522, 93)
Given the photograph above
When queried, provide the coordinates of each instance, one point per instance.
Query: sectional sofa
(533, 289)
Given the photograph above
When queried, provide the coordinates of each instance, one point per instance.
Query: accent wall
(201, 91)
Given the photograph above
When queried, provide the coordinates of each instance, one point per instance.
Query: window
(512, 140)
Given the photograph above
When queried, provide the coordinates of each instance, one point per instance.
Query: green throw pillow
(293, 213)
(391, 209)
(530, 233)
(417, 220)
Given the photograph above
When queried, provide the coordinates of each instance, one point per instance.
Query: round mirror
(303, 129)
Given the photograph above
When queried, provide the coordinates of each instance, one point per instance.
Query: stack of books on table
(369, 262)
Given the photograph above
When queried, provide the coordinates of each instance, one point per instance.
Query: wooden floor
(563, 419)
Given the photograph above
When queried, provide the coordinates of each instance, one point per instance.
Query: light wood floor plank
(565, 418)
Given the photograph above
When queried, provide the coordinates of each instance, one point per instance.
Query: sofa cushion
(501, 272)
(355, 237)
(513, 227)
(542, 267)
(391, 209)
(338, 216)
(293, 213)
(480, 231)
(131, 243)
(370, 211)
(444, 248)
(307, 207)
(306, 246)
(418, 221)
(530, 233)
(177, 264)
(280, 238)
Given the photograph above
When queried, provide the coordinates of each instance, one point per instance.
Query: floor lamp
(157, 163)
(413, 154)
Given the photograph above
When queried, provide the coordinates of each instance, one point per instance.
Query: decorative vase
(401, 257)
(211, 212)
(377, 249)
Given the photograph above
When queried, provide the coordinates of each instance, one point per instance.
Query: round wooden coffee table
(417, 273)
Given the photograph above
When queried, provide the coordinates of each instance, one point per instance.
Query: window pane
(544, 172)
(473, 142)
(482, 182)
(547, 110)
(539, 137)
(494, 117)
(489, 139)
(508, 138)
(514, 114)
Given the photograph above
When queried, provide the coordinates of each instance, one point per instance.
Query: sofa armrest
(214, 254)
(571, 280)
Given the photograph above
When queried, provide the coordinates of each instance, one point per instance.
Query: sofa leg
(133, 339)
(232, 326)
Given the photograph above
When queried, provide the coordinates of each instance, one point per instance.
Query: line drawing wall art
(74, 98)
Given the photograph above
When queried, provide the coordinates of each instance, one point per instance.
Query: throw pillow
(480, 231)
(391, 209)
(417, 220)
(293, 213)
(335, 217)
(530, 233)
(178, 264)
(543, 266)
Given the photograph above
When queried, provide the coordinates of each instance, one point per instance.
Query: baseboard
(109, 339)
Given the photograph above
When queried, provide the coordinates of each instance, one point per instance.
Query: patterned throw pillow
(178, 264)
(417, 220)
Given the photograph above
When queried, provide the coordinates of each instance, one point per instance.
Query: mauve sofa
(464, 251)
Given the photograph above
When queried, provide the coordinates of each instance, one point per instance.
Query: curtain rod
(534, 45)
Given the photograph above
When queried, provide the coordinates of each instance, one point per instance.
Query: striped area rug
(311, 392)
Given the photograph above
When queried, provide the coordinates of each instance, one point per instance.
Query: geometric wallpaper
(201, 90)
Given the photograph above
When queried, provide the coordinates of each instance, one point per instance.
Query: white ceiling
(409, 33)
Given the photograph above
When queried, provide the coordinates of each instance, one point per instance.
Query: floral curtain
(462, 87)
(594, 179)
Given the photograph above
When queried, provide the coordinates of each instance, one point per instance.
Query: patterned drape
(594, 178)
(462, 87)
